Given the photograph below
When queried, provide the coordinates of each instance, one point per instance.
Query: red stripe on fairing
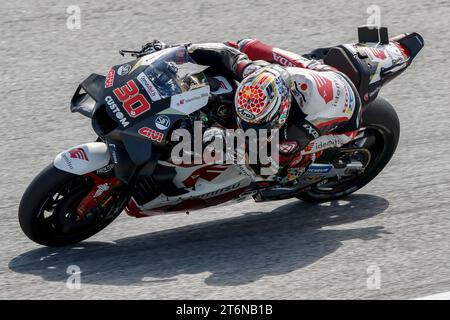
(331, 122)
(208, 173)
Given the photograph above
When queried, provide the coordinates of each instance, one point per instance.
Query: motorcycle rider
(302, 98)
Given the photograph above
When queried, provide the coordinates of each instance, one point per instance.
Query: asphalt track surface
(398, 225)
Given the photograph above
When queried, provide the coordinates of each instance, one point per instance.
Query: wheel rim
(57, 216)
(376, 138)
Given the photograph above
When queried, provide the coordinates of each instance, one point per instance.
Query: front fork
(89, 158)
(100, 195)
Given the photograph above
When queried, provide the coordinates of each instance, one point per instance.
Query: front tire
(380, 118)
(46, 210)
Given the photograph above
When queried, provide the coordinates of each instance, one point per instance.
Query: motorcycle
(138, 104)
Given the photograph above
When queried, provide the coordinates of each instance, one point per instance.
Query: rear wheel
(381, 132)
(48, 209)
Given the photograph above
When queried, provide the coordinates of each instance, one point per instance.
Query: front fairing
(143, 100)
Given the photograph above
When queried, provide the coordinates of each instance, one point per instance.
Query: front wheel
(381, 128)
(48, 209)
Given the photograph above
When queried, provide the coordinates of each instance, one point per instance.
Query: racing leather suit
(324, 98)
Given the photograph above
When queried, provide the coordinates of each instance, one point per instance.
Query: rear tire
(49, 193)
(380, 117)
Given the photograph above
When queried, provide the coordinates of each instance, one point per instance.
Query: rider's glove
(153, 46)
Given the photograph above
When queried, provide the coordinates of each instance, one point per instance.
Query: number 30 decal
(134, 103)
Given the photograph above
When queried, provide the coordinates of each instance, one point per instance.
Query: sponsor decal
(115, 109)
(113, 151)
(339, 84)
(109, 81)
(320, 145)
(105, 169)
(220, 191)
(67, 161)
(282, 60)
(288, 147)
(151, 134)
(124, 70)
(78, 153)
(311, 130)
(162, 122)
(187, 100)
(101, 188)
(224, 86)
(348, 107)
(190, 101)
(243, 169)
(319, 169)
(133, 102)
(245, 114)
(290, 59)
(324, 86)
(149, 86)
(347, 98)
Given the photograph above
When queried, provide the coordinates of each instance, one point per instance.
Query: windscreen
(172, 71)
(146, 97)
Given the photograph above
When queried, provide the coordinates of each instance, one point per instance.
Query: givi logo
(109, 81)
(151, 134)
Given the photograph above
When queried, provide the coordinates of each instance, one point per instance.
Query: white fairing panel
(83, 158)
(190, 101)
(214, 181)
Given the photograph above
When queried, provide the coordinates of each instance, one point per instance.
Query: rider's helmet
(262, 99)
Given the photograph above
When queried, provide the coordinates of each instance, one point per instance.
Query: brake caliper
(100, 195)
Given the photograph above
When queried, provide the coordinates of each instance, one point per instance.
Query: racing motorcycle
(138, 104)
